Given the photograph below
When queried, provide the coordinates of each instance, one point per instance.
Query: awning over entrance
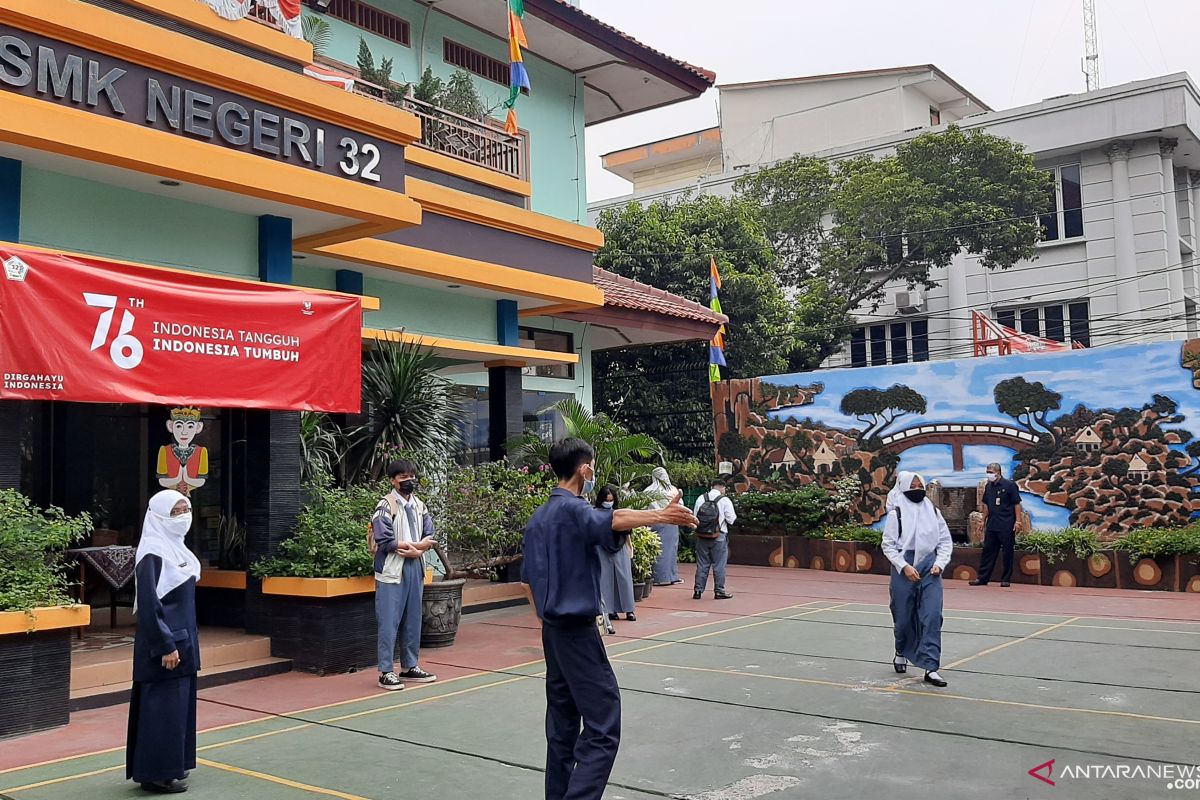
(85, 329)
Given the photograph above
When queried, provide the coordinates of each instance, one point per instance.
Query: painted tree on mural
(879, 408)
(1028, 403)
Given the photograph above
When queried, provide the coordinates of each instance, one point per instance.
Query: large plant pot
(1100, 570)
(756, 550)
(35, 667)
(964, 563)
(324, 625)
(221, 598)
(1147, 573)
(441, 611)
(639, 592)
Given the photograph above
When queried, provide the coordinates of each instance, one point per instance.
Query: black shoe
(723, 596)
(697, 595)
(677, 580)
(614, 616)
(417, 675)
(1005, 584)
(977, 583)
(390, 681)
(900, 664)
(932, 677)
(166, 787)
(631, 617)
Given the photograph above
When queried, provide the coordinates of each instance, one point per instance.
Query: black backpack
(708, 518)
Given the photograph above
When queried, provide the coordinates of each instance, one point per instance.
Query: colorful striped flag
(716, 348)
(518, 75)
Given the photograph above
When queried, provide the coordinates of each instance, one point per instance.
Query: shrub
(853, 533)
(331, 536)
(1053, 544)
(646, 547)
(1154, 542)
(792, 512)
(32, 543)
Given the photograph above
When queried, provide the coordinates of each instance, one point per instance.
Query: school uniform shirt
(1001, 497)
(724, 509)
(389, 532)
(560, 562)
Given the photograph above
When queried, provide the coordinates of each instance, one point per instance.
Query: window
(890, 343)
(551, 341)
(1056, 321)
(371, 19)
(474, 61)
(1066, 200)
(935, 117)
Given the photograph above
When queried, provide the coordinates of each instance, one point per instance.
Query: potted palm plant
(36, 613)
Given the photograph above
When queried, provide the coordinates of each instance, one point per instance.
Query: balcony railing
(460, 137)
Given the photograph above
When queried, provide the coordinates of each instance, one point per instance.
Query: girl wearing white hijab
(666, 566)
(161, 745)
(917, 542)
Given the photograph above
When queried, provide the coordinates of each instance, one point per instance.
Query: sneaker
(977, 583)
(1004, 584)
(723, 596)
(696, 595)
(390, 681)
(417, 675)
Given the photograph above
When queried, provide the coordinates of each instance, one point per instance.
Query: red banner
(85, 329)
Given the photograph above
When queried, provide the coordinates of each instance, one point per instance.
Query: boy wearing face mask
(403, 531)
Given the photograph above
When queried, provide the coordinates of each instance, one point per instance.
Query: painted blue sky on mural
(961, 390)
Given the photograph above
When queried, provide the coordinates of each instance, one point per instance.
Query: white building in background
(1120, 259)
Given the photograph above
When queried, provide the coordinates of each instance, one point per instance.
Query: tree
(381, 76)
(879, 408)
(854, 226)
(663, 389)
(1027, 403)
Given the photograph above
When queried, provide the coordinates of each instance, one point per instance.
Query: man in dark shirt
(1001, 510)
(562, 569)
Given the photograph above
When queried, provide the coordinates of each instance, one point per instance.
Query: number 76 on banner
(126, 351)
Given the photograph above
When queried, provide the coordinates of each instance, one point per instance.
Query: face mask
(607, 504)
(180, 525)
(588, 485)
(407, 487)
(992, 476)
(915, 495)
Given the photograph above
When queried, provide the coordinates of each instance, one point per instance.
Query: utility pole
(1091, 57)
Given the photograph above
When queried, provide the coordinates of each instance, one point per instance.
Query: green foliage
(481, 512)
(621, 457)
(799, 511)
(316, 31)
(1054, 544)
(319, 446)
(379, 75)
(461, 98)
(694, 474)
(845, 493)
(1154, 542)
(853, 533)
(646, 547)
(430, 88)
(331, 535)
(852, 227)
(32, 542)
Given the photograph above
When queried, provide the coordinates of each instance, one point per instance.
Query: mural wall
(1095, 438)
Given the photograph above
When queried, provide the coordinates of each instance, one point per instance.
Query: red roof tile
(636, 296)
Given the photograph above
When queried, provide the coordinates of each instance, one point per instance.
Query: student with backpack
(402, 532)
(714, 515)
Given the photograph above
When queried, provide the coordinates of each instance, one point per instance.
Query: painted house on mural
(202, 229)
(1118, 262)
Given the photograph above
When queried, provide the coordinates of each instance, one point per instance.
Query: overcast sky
(1006, 52)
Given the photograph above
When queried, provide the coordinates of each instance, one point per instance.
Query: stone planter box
(870, 560)
(755, 550)
(964, 563)
(35, 662)
(1067, 569)
(325, 626)
(221, 598)
(1148, 573)
(1189, 574)
(1027, 567)
(841, 556)
(1100, 570)
(806, 553)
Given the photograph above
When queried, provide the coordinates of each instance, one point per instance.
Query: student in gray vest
(403, 532)
(714, 515)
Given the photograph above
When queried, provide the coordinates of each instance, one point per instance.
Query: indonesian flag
(991, 338)
(285, 12)
(342, 80)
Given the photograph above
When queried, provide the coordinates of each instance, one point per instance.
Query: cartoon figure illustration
(183, 465)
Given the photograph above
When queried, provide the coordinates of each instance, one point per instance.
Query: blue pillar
(349, 281)
(275, 249)
(10, 200)
(506, 323)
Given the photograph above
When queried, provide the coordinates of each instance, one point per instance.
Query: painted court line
(990, 650)
(281, 781)
(858, 687)
(1032, 622)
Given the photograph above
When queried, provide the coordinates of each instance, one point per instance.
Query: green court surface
(795, 702)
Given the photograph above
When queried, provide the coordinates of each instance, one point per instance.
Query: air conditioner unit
(910, 302)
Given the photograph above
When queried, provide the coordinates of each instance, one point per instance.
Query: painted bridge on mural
(958, 435)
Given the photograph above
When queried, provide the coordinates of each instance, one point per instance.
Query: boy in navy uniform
(562, 569)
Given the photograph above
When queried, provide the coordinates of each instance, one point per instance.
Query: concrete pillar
(274, 249)
(349, 281)
(1194, 187)
(1166, 148)
(959, 318)
(1125, 255)
(10, 200)
(272, 487)
(506, 418)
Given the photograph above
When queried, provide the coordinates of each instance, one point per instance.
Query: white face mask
(180, 525)
(992, 476)
(607, 504)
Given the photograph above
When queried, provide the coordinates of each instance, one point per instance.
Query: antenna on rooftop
(1091, 57)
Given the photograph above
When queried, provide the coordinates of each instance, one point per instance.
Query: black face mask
(915, 495)
(407, 487)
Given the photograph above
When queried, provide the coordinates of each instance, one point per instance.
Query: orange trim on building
(319, 587)
(462, 349)
(222, 579)
(184, 56)
(44, 619)
(246, 31)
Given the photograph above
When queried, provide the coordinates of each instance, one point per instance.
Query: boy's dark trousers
(580, 688)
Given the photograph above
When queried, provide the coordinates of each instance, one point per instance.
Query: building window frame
(1060, 321)
(893, 341)
(368, 18)
(1065, 222)
(528, 338)
(457, 54)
